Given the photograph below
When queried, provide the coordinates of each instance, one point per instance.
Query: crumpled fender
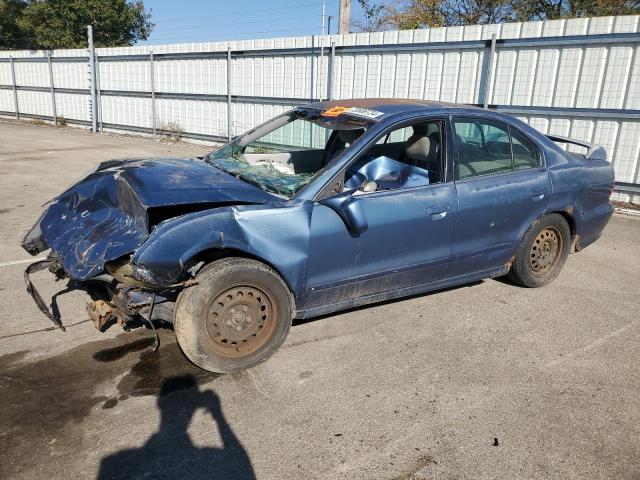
(277, 235)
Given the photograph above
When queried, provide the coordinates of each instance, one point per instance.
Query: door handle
(537, 193)
(439, 210)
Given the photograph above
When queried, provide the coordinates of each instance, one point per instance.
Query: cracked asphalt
(488, 380)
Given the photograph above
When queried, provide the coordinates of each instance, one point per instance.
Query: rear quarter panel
(581, 187)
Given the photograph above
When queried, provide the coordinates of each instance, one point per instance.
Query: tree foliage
(49, 24)
(411, 14)
(11, 36)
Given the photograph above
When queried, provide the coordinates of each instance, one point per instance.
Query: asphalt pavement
(487, 380)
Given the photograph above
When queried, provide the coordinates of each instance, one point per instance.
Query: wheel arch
(567, 214)
(210, 255)
(568, 217)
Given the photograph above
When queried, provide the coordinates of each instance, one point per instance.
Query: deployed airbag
(388, 173)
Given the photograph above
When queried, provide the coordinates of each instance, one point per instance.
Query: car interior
(416, 146)
(405, 157)
(485, 148)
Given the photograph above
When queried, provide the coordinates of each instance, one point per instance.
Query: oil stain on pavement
(44, 401)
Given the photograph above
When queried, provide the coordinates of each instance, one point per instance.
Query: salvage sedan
(326, 207)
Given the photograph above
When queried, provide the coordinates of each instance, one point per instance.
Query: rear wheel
(235, 317)
(542, 252)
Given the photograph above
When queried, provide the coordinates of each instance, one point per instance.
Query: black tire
(542, 252)
(236, 316)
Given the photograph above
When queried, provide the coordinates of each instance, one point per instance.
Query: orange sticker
(335, 111)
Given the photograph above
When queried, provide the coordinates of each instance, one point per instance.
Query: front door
(410, 219)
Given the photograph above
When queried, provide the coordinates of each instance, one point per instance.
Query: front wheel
(542, 252)
(236, 316)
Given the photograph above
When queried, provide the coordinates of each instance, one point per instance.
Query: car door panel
(495, 205)
(334, 253)
(408, 228)
(407, 242)
(494, 212)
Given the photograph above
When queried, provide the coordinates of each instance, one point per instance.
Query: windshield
(286, 153)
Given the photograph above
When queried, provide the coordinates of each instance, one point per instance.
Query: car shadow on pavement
(169, 453)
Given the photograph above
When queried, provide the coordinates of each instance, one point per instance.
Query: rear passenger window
(484, 147)
(525, 153)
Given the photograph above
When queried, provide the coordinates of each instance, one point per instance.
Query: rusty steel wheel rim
(240, 320)
(545, 251)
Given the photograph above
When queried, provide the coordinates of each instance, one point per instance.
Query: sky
(178, 21)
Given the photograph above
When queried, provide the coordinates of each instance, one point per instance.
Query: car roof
(389, 106)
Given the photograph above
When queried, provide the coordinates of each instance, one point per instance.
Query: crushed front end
(94, 228)
(116, 297)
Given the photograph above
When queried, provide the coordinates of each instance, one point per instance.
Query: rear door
(502, 187)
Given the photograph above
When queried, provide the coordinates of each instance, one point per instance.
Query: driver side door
(406, 242)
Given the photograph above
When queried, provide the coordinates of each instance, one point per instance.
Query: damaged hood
(112, 211)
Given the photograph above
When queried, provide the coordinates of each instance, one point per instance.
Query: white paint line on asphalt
(628, 211)
(595, 344)
(18, 262)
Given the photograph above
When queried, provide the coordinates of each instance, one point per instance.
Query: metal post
(92, 68)
(98, 95)
(312, 69)
(344, 20)
(229, 93)
(329, 24)
(15, 90)
(332, 59)
(53, 95)
(153, 94)
(488, 86)
(321, 59)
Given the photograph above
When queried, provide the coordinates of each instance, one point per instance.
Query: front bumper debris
(54, 266)
(112, 301)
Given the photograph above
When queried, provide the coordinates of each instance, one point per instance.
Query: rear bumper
(593, 226)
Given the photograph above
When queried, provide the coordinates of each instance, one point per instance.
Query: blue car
(326, 207)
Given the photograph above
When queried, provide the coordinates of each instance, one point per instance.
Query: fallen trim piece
(36, 267)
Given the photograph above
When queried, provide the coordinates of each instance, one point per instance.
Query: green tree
(478, 12)
(11, 35)
(50, 24)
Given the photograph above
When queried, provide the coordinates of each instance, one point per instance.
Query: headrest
(420, 128)
(349, 136)
(418, 148)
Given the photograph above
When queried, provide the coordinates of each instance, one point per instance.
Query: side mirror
(349, 209)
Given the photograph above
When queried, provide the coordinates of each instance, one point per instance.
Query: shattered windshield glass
(265, 175)
(285, 154)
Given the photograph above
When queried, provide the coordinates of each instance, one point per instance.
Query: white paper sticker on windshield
(364, 112)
